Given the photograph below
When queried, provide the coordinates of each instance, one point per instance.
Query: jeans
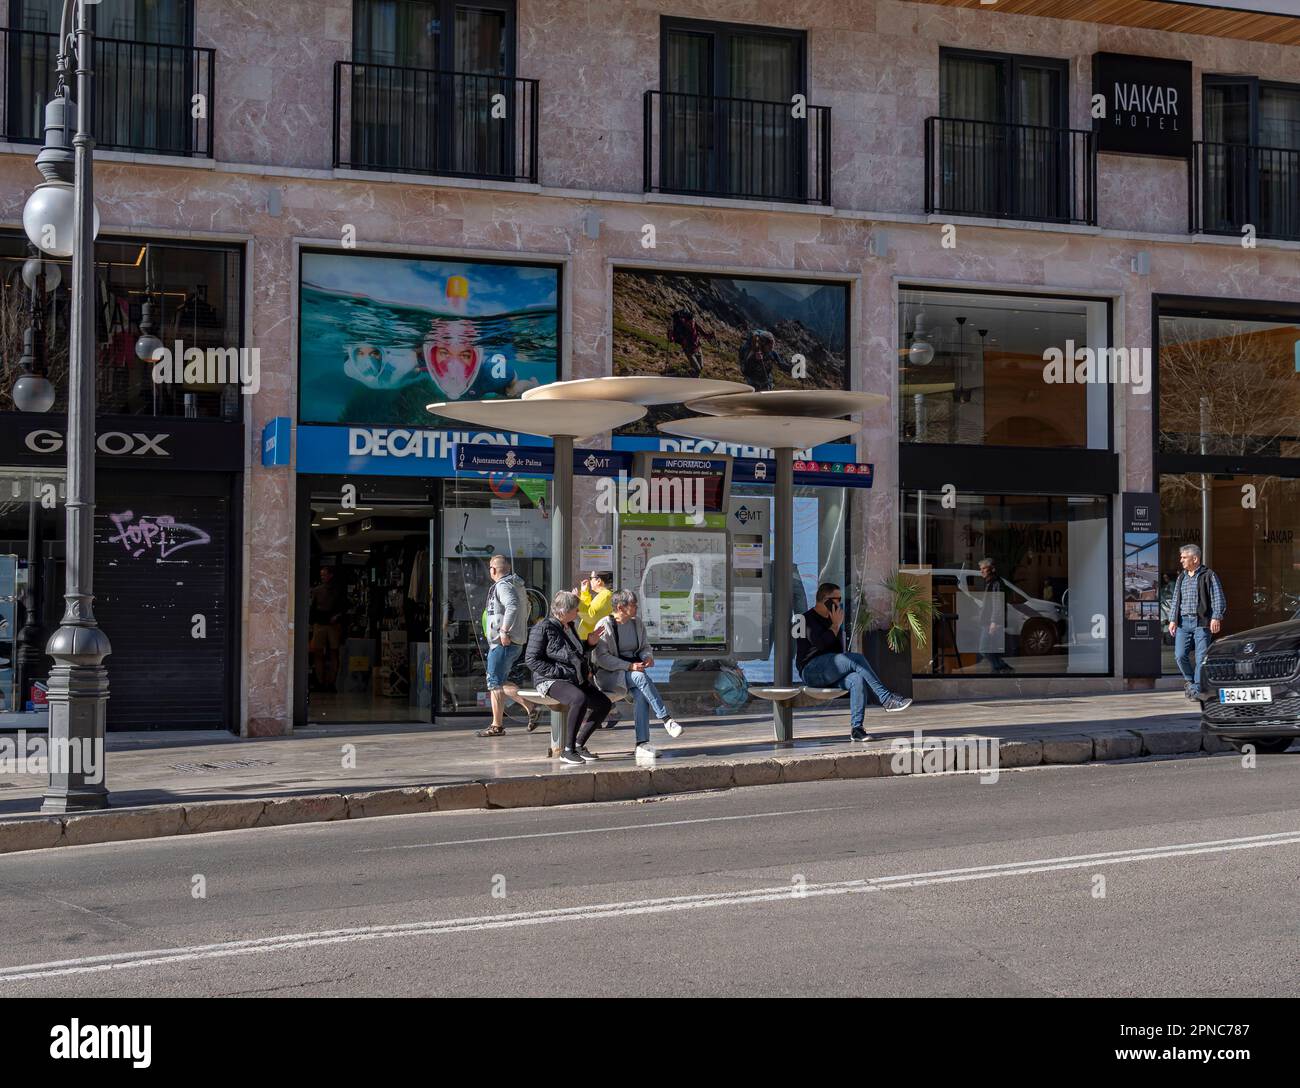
(1183, 637)
(853, 673)
(500, 660)
(645, 701)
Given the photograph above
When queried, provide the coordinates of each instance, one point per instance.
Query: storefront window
(195, 299)
(1229, 386)
(1020, 583)
(31, 582)
(1252, 524)
(973, 370)
(480, 519)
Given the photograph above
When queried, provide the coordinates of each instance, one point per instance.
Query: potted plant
(886, 640)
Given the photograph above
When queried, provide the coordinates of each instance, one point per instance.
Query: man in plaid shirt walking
(1195, 616)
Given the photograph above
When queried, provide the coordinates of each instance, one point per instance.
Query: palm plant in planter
(886, 640)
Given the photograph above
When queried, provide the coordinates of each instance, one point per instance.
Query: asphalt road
(938, 885)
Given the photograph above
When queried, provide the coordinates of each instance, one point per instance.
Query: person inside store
(329, 604)
(993, 618)
(621, 656)
(558, 658)
(507, 633)
(822, 661)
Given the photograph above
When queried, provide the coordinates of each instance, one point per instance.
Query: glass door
(1228, 191)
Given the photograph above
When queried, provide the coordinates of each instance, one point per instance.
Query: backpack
(681, 326)
(731, 687)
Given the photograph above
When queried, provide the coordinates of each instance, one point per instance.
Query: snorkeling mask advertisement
(381, 337)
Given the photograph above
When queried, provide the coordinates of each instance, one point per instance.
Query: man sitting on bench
(823, 662)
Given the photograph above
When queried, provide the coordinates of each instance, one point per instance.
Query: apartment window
(146, 74)
(424, 80)
(726, 115)
(1249, 168)
(1002, 146)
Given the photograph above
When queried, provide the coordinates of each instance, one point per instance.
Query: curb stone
(618, 784)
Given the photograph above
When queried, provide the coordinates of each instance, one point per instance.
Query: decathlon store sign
(392, 451)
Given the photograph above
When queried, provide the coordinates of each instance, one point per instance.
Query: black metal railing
(737, 147)
(149, 98)
(994, 170)
(430, 121)
(1234, 186)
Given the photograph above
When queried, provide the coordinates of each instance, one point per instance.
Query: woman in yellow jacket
(594, 604)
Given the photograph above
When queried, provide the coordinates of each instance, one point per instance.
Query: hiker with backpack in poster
(688, 334)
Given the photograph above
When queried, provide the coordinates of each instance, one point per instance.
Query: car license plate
(1245, 695)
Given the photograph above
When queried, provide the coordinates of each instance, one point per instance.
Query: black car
(1250, 688)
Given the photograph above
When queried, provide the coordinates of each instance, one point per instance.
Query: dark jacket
(550, 656)
(820, 639)
(1204, 597)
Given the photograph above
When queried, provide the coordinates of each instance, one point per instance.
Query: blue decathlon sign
(276, 442)
(393, 451)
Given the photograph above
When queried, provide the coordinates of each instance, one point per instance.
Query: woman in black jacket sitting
(558, 660)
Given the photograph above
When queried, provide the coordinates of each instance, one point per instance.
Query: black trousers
(586, 700)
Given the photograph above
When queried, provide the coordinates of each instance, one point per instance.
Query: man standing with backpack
(688, 334)
(1195, 615)
(507, 633)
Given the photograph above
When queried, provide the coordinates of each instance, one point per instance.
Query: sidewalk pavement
(176, 783)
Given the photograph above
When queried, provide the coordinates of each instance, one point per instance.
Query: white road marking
(599, 830)
(153, 957)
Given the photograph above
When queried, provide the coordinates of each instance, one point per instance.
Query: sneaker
(859, 733)
(672, 728)
(1189, 691)
(645, 755)
(585, 755)
(894, 703)
(571, 757)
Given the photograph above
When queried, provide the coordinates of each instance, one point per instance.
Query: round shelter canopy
(635, 389)
(547, 418)
(821, 403)
(774, 432)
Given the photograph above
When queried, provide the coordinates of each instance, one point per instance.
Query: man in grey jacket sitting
(621, 657)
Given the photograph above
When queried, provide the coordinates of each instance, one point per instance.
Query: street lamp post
(61, 219)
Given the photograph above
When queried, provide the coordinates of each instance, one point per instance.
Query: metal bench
(785, 695)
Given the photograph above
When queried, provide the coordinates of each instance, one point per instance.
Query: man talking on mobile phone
(823, 662)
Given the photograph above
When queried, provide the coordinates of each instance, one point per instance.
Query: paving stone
(689, 777)
(1073, 749)
(313, 808)
(1020, 753)
(757, 772)
(397, 802)
(569, 789)
(1116, 746)
(119, 826)
(1165, 742)
(622, 785)
(30, 834)
(516, 792)
(222, 815)
(807, 768)
(858, 765)
(461, 795)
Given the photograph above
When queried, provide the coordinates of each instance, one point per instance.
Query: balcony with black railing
(150, 98)
(430, 121)
(1235, 186)
(701, 145)
(994, 170)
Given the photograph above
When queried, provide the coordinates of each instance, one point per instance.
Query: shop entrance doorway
(368, 611)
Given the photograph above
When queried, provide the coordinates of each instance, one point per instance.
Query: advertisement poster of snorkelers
(381, 337)
(771, 334)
